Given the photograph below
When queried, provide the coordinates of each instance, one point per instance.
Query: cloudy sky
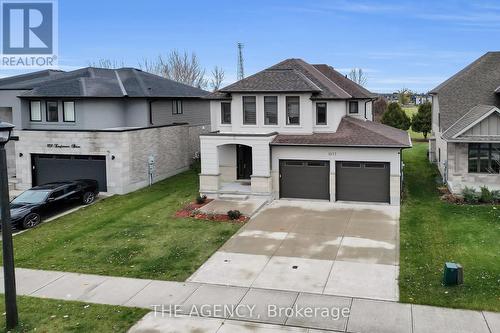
(403, 44)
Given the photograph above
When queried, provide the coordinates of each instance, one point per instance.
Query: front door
(244, 161)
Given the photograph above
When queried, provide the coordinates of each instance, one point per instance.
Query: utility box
(453, 274)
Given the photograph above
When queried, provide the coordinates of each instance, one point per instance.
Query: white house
(297, 130)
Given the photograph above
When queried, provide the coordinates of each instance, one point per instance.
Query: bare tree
(217, 78)
(181, 67)
(357, 75)
(107, 63)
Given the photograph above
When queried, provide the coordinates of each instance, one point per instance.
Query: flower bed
(192, 210)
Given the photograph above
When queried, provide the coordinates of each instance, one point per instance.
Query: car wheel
(31, 220)
(88, 198)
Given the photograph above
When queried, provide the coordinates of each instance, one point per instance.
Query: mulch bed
(191, 210)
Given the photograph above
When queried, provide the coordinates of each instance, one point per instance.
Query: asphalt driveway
(315, 247)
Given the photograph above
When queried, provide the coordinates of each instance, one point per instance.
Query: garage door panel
(54, 168)
(363, 181)
(305, 179)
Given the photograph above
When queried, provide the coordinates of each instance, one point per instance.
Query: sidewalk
(365, 315)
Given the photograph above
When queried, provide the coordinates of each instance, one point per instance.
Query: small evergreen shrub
(201, 199)
(496, 195)
(470, 195)
(485, 195)
(234, 214)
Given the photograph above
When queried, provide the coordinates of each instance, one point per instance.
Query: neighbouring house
(296, 130)
(123, 127)
(465, 140)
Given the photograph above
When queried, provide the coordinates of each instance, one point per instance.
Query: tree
(357, 75)
(422, 120)
(379, 107)
(396, 117)
(404, 96)
(107, 63)
(217, 78)
(181, 67)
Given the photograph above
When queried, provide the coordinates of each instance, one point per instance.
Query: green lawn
(52, 316)
(410, 111)
(433, 232)
(133, 235)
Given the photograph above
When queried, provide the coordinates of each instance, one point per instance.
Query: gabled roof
(296, 75)
(351, 132)
(474, 85)
(101, 82)
(467, 121)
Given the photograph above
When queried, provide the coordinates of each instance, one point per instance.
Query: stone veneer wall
(458, 171)
(171, 146)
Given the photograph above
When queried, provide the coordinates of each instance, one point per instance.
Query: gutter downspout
(370, 100)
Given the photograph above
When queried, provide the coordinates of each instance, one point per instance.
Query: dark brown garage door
(362, 181)
(54, 168)
(305, 179)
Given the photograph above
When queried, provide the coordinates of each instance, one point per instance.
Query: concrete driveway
(315, 247)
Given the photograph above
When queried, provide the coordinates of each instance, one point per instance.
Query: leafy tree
(379, 107)
(404, 96)
(396, 117)
(422, 120)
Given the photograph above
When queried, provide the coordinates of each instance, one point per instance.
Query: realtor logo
(29, 36)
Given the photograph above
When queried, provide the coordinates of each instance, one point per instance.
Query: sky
(399, 44)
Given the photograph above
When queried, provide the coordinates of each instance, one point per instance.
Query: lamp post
(8, 250)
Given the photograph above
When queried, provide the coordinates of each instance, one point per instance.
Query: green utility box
(453, 274)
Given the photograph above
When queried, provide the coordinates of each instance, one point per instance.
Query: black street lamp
(8, 249)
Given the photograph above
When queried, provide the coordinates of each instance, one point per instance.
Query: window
(35, 111)
(293, 110)
(320, 113)
(249, 110)
(270, 110)
(353, 107)
(356, 165)
(52, 111)
(439, 154)
(69, 111)
(177, 106)
(484, 157)
(225, 116)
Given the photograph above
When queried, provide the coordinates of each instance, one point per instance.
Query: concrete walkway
(195, 307)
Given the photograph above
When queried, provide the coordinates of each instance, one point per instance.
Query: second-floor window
(249, 110)
(35, 111)
(52, 111)
(177, 106)
(270, 110)
(69, 111)
(353, 107)
(225, 116)
(320, 113)
(293, 110)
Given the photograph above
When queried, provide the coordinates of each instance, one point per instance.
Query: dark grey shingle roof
(273, 81)
(351, 87)
(101, 82)
(27, 81)
(472, 86)
(468, 119)
(351, 132)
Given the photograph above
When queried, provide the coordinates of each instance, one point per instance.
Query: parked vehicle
(28, 209)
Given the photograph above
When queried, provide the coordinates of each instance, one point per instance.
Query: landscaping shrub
(485, 195)
(496, 195)
(470, 195)
(196, 163)
(234, 214)
(201, 199)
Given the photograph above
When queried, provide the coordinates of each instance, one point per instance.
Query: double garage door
(355, 181)
(54, 168)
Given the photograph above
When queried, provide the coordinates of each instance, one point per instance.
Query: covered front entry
(363, 181)
(53, 168)
(243, 162)
(305, 179)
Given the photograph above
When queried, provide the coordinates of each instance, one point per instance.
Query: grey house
(466, 126)
(124, 127)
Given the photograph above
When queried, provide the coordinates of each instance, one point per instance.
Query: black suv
(29, 207)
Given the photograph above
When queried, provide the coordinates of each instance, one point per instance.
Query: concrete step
(233, 196)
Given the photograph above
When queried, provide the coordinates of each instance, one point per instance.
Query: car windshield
(31, 197)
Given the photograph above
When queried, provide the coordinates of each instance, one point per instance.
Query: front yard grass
(133, 235)
(433, 232)
(47, 315)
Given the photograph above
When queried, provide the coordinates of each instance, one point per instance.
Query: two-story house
(296, 130)
(465, 140)
(125, 128)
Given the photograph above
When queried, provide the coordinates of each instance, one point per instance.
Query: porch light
(5, 132)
